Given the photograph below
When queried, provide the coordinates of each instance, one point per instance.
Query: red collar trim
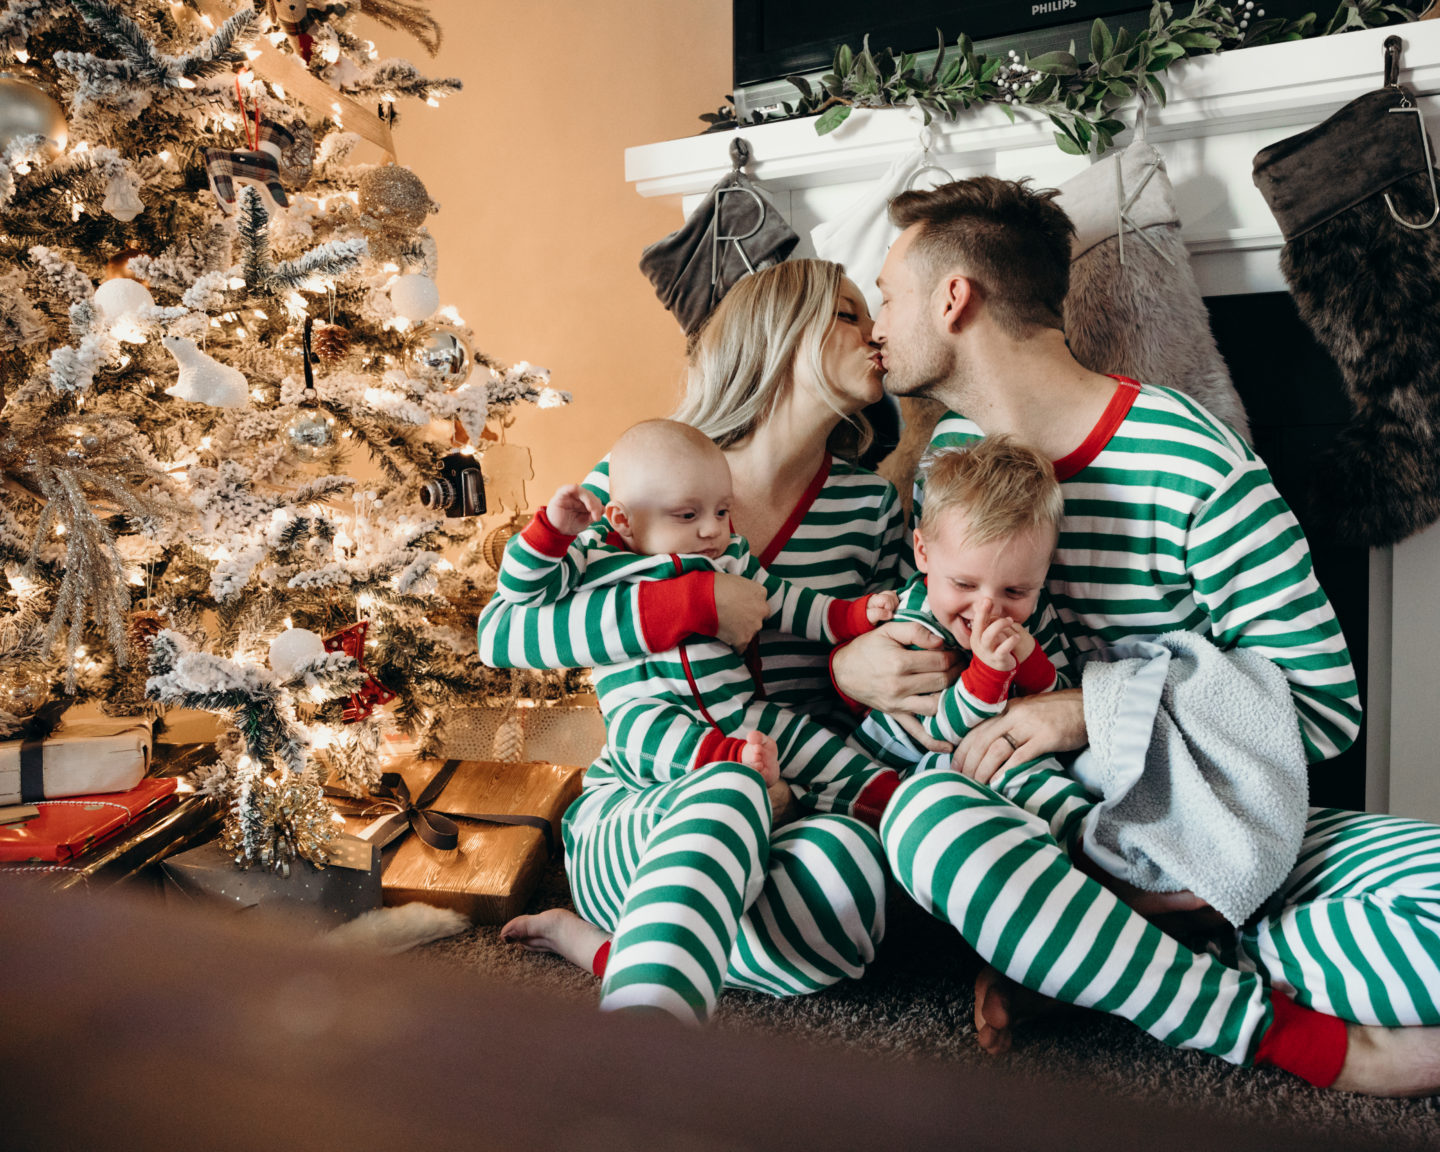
(1106, 427)
(787, 529)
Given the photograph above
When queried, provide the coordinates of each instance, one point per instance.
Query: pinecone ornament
(330, 342)
(143, 626)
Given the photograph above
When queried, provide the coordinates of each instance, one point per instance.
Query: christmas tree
(242, 443)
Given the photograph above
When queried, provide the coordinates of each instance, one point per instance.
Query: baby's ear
(922, 562)
(619, 519)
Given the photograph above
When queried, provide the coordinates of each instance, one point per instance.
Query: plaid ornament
(228, 170)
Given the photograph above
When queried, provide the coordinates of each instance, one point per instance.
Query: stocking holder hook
(1392, 48)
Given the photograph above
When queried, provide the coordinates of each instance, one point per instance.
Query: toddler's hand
(762, 754)
(573, 509)
(881, 607)
(995, 640)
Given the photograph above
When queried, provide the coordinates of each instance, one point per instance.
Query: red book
(65, 828)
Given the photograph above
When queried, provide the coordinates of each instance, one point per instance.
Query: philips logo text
(1052, 6)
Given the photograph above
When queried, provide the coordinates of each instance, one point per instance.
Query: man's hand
(783, 808)
(881, 670)
(573, 509)
(1030, 727)
(740, 608)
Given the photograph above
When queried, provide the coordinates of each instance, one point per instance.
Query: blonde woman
(684, 888)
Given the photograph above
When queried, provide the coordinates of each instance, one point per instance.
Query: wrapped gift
(309, 896)
(64, 829)
(569, 732)
(476, 835)
(82, 757)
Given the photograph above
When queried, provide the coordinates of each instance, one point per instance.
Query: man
(1170, 523)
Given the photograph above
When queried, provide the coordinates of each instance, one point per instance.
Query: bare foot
(1001, 1004)
(762, 754)
(560, 931)
(1391, 1061)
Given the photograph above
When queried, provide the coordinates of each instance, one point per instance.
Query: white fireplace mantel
(1221, 111)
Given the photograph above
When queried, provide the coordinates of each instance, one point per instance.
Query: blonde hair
(1002, 487)
(745, 356)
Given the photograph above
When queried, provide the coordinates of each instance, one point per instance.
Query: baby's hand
(996, 641)
(762, 754)
(573, 509)
(881, 607)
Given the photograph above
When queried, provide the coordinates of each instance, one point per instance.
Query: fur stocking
(1369, 289)
(1144, 318)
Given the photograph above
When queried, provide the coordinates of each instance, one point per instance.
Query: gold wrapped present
(473, 835)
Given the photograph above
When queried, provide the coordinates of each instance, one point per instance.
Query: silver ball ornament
(27, 110)
(437, 356)
(310, 433)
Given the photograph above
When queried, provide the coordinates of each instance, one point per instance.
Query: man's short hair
(1012, 241)
(1001, 486)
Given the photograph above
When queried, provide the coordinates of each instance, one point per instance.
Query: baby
(666, 714)
(982, 549)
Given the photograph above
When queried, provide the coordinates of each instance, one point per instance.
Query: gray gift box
(309, 896)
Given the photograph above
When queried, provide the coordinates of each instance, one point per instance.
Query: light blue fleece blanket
(1198, 757)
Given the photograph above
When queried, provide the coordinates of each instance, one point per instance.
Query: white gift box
(81, 757)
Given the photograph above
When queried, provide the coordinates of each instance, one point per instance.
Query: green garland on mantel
(1082, 100)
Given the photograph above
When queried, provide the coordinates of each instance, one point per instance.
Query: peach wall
(539, 235)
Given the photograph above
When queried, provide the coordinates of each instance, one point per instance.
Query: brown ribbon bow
(435, 828)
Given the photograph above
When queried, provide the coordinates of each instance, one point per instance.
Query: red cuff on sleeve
(717, 748)
(870, 807)
(986, 683)
(1304, 1042)
(847, 619)
(1035, 674)
(854, 705)
(673, 609)
(544, 537)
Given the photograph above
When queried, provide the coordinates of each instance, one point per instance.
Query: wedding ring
(1009, 740)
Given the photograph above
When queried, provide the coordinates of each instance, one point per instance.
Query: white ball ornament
(204, 379)
(414, 297)
(117, 306)
(292, 648)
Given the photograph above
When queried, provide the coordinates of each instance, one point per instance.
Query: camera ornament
(459, 490)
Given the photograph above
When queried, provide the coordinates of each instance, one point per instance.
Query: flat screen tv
(775, 38)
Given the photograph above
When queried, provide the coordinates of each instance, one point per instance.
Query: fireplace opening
(1295, 399)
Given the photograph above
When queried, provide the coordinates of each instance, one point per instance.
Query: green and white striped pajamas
(668, 713)
(671, 868)
(1171, 522)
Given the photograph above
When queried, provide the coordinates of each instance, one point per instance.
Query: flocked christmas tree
(213, 316)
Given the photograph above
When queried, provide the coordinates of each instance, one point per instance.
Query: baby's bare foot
(559, 931)
(763, 755)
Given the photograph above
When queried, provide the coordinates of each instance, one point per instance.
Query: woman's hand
(881, 669)
(1030, 727)
(740, 609)
(783, 808)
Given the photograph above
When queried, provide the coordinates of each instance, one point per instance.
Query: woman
(778, 377)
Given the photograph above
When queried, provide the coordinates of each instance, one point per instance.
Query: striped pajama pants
(700, 894)
(1354, 932)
